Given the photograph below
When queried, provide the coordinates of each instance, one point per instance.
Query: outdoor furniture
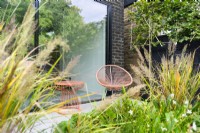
(113, 77)
(68, 92)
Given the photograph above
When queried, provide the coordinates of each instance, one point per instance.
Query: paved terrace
(46, 124)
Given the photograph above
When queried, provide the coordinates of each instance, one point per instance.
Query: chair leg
(104, 96)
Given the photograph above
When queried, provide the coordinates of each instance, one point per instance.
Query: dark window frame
(128, 2)
(108, 35)
(37, 31)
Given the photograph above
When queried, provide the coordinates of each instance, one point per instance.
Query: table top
(70, 83)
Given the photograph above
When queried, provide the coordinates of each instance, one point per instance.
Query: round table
(68, 92)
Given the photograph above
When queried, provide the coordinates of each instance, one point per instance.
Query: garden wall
(118, 32)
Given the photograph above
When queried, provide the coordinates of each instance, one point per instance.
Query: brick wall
(118, 32)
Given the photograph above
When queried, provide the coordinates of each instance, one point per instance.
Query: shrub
(126, 116)
(24, 84)
(171, 87)
(173, 76)
(179, 20)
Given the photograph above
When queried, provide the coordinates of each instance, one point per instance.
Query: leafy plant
(179, 20)
(171, 85)
(9, 9)
(126, 115)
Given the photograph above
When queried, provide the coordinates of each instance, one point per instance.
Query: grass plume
(174, 75)
(24, 85)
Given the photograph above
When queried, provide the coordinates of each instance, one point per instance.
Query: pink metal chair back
(113, 77)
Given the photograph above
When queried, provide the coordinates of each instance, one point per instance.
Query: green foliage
(171, 87)
(67, 126)
(127, 116)
(179, 20)
(24, 84)
(174, 75)
(9, 9)
(62, 127)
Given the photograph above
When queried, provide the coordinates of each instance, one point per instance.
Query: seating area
(99, 66)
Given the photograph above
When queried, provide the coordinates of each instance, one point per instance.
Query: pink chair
(113, 77)
(68, 93)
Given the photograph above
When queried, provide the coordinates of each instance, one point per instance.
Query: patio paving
(46, 124)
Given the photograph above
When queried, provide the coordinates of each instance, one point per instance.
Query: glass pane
(82, 24)
(88, 42)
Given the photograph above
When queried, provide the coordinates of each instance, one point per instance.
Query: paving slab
(47, 123)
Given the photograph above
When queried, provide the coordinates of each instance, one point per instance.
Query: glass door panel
(86, 35)
(82, 24)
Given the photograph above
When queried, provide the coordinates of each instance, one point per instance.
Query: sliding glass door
(82, 24)
(90, 45)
